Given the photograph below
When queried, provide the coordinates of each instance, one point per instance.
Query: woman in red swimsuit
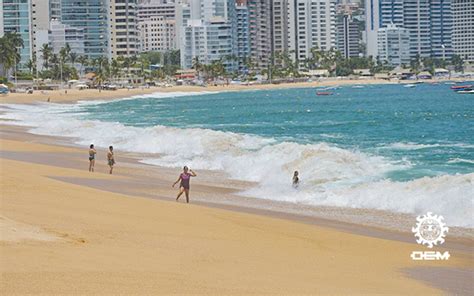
(184, 178)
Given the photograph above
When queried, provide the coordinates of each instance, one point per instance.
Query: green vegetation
(10, 44)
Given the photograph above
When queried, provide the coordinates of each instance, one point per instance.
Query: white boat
(409, 85)
(466, 91)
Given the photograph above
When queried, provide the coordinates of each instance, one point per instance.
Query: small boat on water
(466, 91)
(324, 93)
(460, 87)
(409, 85)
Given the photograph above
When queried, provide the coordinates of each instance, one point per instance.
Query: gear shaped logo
(430, 230)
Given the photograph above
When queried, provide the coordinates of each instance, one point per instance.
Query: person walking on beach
(184, 178)
(296, 179)
(111, 159)
(92, 153)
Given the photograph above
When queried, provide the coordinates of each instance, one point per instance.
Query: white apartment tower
(463, 29)
(394, 45)
(313, 25)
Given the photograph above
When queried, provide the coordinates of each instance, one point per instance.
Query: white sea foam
(155, 95)
(461, 160)
(417, 146)
(330, 175)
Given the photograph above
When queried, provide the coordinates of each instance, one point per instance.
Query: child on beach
(296, 179)
(184, 178)
(92, 153)
(111, 159)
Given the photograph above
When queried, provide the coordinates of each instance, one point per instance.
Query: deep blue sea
(376, 146)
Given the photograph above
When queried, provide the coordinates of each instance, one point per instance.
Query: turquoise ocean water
(378, 146)
(429, 126)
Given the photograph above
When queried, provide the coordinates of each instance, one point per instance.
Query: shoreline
(142, 181)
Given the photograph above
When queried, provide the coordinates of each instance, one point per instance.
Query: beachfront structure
(280, 25)
(394, 45)
(207, 42)
(40, 21)
(183, 14)
(372, 25)
(61, 34)
(157, 33)
(441, 29)
(260, 32)
(209, 33)
(428, 21)
(463, 29)
(123, 28)
(312, 25)
(55, 9)
(16, 17)
(151, 8)
(347, 36)
(91, 16)
(242, 33)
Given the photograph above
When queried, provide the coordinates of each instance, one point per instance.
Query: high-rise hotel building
(123, 26)
(463, 29)
(92, 17)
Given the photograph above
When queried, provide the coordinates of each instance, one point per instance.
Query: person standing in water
(296, 179)
(92, 153)
(111, 159)
(184, 178)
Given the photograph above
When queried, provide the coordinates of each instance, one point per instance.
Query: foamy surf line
(330, 175)
(155, 95)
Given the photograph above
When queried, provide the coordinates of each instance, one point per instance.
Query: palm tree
(73, 57)
(46, 52)
(114, 68)
(197, 66)
(9, 53)
(31, 65)
(83, 60)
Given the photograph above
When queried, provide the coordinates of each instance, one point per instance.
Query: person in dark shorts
(92, 153)
(111, 159)
(184, 178)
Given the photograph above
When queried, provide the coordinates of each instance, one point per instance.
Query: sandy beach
(67, 231)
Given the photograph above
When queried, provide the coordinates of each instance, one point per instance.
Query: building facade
(16, 18)
(394, 45)
(61, 34)
(347, 37)
(429, 23)
(151, 8)
(209, 34)
(157, 33)
(280, 25)
(55, 9)
(123, 28)
(242, 34)
(260, 32)
(463, 29)
(313, 25)
(92, 17)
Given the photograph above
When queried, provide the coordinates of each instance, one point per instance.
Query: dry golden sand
(109, 243)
